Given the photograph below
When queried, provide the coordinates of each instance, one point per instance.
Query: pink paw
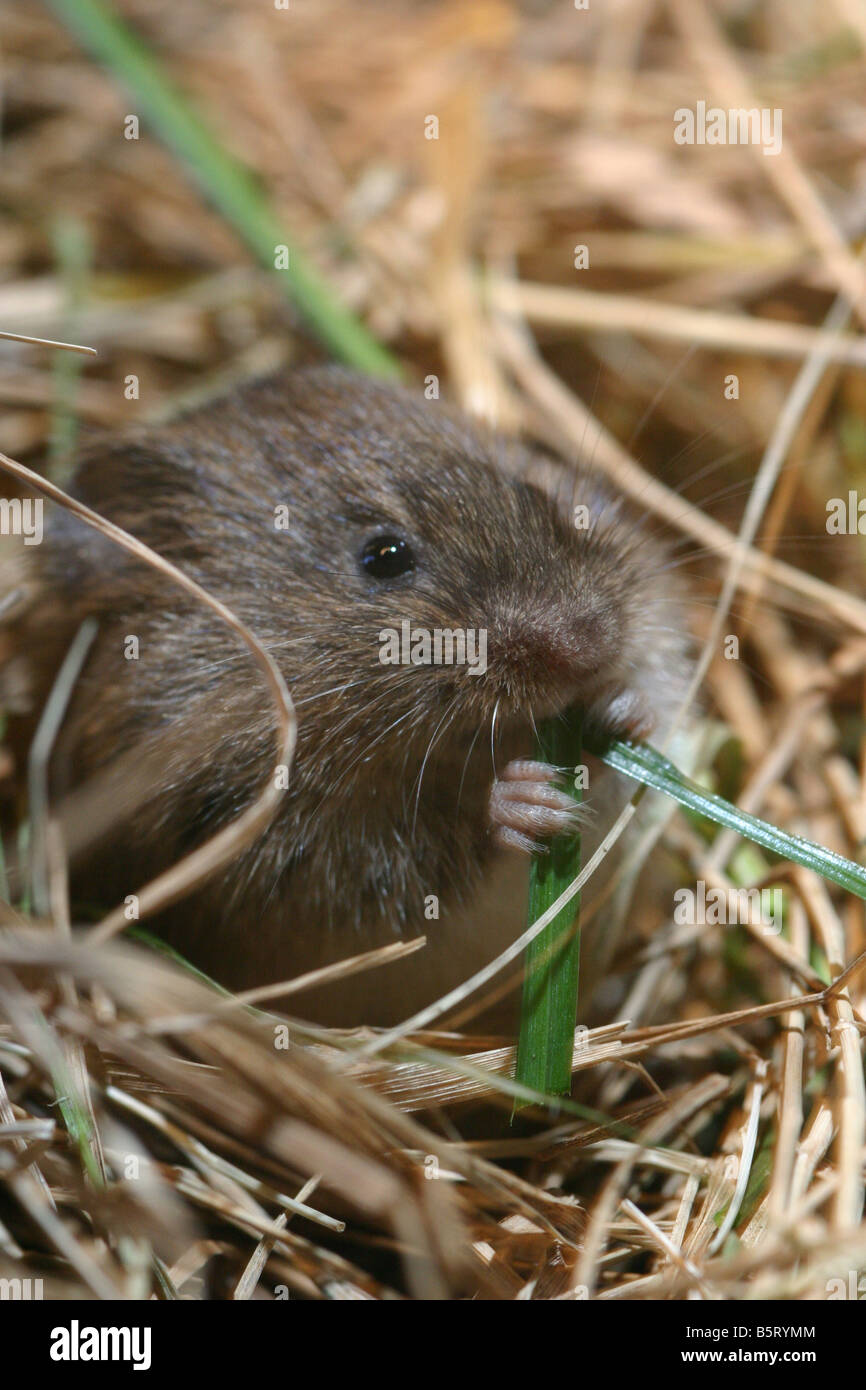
(527, 807)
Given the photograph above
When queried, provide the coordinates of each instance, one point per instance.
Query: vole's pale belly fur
(399, 512)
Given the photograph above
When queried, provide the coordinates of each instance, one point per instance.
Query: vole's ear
(540, 470)
(119, 477)
(139, 486)
(579, 494)
(50, 584)
(536, 466)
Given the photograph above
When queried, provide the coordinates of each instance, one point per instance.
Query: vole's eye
(386, 557)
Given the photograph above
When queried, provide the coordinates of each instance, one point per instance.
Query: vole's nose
(563, 647)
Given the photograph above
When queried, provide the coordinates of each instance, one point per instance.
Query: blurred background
(555, 130)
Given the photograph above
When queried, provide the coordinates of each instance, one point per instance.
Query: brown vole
(407, 785)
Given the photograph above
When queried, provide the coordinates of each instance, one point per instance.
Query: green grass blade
(549, 1007)
(549, 1004)
(228, 185)
(73, 254)
(645, 764)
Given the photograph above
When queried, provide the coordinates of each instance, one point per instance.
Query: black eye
(387, 557)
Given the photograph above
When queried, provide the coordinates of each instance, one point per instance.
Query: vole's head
(404, 568)
(448, 583)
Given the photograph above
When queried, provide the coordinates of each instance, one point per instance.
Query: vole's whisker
(475, 738)
(449, 710)
(321, 694)
(533, 724)
(493, 736)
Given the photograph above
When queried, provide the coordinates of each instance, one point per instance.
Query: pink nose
(567, 649)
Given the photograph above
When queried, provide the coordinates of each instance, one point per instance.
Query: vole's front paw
(629, 715)
(526, 806)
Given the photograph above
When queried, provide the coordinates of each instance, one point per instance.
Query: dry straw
(156, 1137)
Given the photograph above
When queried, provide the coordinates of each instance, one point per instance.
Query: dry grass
(156, 1138)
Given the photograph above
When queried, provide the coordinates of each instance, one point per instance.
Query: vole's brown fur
(393, 796)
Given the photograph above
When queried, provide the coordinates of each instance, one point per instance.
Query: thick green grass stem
(549, 1007)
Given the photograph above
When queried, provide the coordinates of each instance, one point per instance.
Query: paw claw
(507, 838)
(526, 770)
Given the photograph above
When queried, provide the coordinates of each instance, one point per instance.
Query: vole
(342, 519)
